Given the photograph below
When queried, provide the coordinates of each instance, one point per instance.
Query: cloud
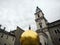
(50, 8)
(21, 12)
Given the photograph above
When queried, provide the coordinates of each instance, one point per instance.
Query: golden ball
(29, 37)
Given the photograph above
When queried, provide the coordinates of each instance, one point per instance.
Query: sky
(20, 13)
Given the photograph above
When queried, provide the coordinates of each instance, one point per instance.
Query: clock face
(29, 38)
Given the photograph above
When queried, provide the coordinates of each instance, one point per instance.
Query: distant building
(6, 38)
(10, 38)
(49, 33)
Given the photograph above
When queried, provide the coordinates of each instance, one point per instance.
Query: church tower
(40, 19)
(42, 28)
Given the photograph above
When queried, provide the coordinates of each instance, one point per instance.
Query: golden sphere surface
(29, 37)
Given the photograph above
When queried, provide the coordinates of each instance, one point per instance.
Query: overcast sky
(21, 12)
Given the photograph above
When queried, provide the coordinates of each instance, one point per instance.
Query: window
(38, 15)
(5, 44)
(58, 31)
(40, 43)
(55, 31)
(40, 25)
(2, 35)
(45, 43)
(59, 39)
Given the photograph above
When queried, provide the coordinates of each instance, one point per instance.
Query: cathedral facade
(49, 33)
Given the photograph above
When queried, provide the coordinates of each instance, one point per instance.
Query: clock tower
(42, 28)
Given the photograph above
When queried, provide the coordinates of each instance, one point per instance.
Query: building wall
(18, 33)
(6, 39)
(54, 31)
(42, 27)
(43, 39)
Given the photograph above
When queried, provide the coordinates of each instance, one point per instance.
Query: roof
(18, 28)
(7, 33)
(55, 23)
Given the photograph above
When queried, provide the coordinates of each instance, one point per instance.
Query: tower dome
(29, 37)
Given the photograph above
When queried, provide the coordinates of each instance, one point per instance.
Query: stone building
(6, 38)
(54, 30)
(10, 38)
(18, 33)
(49, 33)
(42, 28)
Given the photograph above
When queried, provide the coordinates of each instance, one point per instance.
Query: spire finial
(29, 27)
(38, 9)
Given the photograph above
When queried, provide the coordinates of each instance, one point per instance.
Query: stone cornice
(42, 29)
(53, 24)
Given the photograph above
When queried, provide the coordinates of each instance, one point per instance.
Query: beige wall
(55, 36)
(43, 23)
(4, 40)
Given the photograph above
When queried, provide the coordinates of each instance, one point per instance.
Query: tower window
(40, 25)
(38, 15)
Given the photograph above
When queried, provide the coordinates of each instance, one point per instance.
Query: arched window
(40, 24)
(38, 15)
(58, 30)
(55, 31)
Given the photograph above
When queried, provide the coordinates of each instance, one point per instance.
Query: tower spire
(38, 9)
